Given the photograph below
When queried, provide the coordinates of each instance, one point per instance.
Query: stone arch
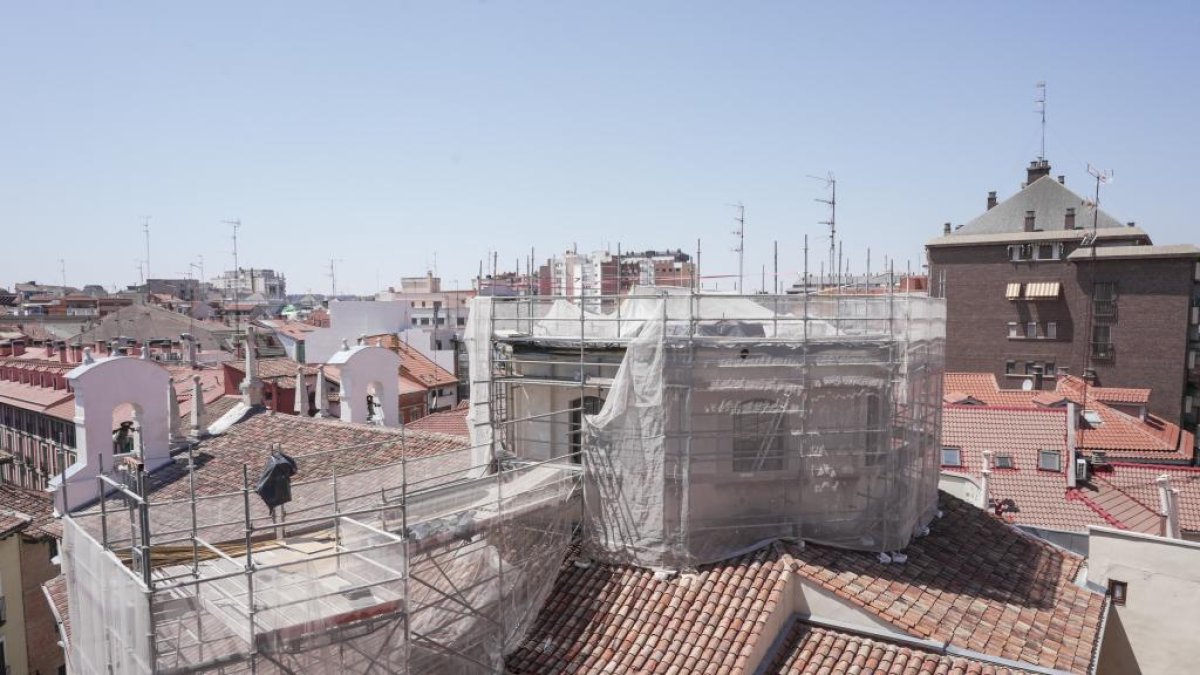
(101, 387)
(365, 369)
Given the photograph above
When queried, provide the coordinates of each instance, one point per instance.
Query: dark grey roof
(1132, 235)
(1048, 199)
(1123, 252)
(148, 322)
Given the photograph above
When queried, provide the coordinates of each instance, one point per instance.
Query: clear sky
(379, 134)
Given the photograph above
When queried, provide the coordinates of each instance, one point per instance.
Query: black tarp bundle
(275, 483)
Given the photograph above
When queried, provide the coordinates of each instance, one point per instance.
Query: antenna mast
(740, 233)
(1040, 101)
(333, 277)
(831, 183)
(1102, 177)
(146, 231)
(236, 224)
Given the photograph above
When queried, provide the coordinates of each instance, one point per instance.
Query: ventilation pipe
(251, 386)
(195, 433)
(1167, 502)
(1072, 425)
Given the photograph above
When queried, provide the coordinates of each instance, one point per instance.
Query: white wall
(1154, 632)
(350, 319)
(960, 486)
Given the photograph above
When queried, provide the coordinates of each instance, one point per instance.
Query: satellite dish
(1027, 385)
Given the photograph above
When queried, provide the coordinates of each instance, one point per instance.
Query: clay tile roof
(27, 511)
(56, 594)
(453, 422)
(813, 650)
(620, 619)
(219, 459)
(414, 364)
(1120, 435)
(1138, 481)
(1121, 395)
(976, 583)
(280, 371)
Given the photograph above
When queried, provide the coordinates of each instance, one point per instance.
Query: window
(1014, 329)
(1004, 461)
(1105, 290)
(1102, 347)
(1010, 367)
(1049, 370)
(1051, 330)
(1104, 299)
(951, 456)
(588, 405)
(462, 321)
(1118, 590)
(1031, 330)
(758, 434)
(1030, 367)
(1047, 252)
(1050, 460)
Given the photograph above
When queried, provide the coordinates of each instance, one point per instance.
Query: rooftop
(1131, 252)
(973, 583)
(1049, 200)
(452, 422)
(27, 511)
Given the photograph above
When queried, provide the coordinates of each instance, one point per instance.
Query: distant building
(1030, 288)
(245, 281)
(604, 273)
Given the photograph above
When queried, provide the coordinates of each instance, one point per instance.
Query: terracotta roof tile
(976, 583)
(814, 650)
(56, 595)
(453, 422)
(414, 364)
(1138, 481)
(27, 511)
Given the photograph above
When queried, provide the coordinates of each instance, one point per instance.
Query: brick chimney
(6, 348)
(1069, 221)
(991, 200)
(63, 355)
(18, 347)
(1029, 221)
(1038, 168)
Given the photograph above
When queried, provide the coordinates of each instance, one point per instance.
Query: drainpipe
(1072, 424)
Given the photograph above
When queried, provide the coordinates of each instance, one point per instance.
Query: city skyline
(385, 136)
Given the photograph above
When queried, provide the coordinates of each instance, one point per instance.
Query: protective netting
(707, 425)
(428, 565)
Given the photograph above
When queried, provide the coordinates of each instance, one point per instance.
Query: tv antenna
(1102, 176)
(740, 249)
(333, 277)
(1040, 101)
(146, 232)
(236, 224)
(830, 183)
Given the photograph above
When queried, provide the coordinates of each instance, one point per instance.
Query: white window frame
(1031, 330)
(957, 453)
(1051, 330)
(1014, 330)
(1005, 462)
(1048, 453)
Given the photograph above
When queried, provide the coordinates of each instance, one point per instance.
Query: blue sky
(380, 134)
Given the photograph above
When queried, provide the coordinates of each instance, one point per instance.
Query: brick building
(1031, 288)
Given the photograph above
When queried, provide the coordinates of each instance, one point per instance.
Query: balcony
(1106, 309)
(1103, 351)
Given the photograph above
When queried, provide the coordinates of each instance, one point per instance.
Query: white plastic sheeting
(730, 421)
(428, 566)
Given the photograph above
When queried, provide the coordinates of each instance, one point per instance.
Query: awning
(1013, 291)
(1042, 290)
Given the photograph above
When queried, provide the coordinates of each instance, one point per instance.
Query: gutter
(933, 646)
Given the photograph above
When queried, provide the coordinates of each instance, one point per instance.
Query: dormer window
(1050, 460)
(1004, 462)
(951, 456)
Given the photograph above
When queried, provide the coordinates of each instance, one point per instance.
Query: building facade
(245, 281)
(1043, 283)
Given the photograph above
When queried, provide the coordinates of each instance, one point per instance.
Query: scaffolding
(708, 424)
(429, 564)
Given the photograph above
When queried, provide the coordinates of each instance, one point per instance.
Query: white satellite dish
(1027, 385)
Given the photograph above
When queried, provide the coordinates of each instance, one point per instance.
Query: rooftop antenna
(1102, 176)
(831, 183)
(1040, 101)
(740, 249)
(236, 224)
(146, 231)
(333, 277)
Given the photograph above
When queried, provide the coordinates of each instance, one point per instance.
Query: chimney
(18, 347)
(1038, 376)
(946, 229)
(1029, 216)
(176, 437)
(49, 349)
(6, 348)
(251, 386)
(63, 356)
(189, 343)
(1062, 180)
(991, 203)
(1038, 168)
(301, 407)
(322, 396)
(1168, 506)
(195, 432)
(1069, 221)
(1131, 224)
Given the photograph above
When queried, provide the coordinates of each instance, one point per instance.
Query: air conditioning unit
(1083, 469)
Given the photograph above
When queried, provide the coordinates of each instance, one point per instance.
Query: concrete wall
(350, 319)
(13, 630)
(1154, 632)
